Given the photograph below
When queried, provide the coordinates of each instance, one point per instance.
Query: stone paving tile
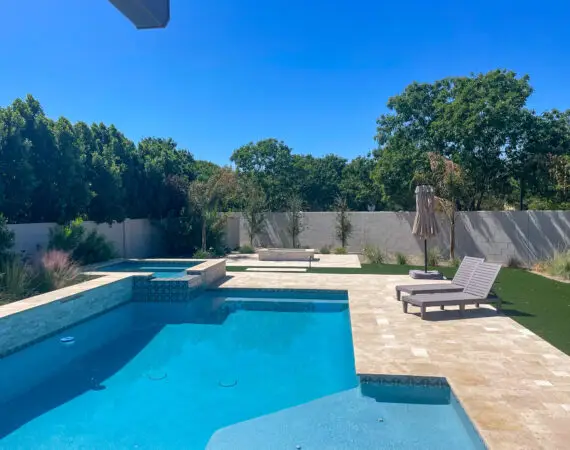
(514, 386)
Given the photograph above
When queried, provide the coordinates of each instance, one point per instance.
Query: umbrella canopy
(425, 224)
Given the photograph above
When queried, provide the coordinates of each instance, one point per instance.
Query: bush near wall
(84, 249)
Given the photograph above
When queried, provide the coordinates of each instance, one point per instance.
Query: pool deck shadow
(513, 385)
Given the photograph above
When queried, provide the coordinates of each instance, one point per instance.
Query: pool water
(232, 369)
(174, 269)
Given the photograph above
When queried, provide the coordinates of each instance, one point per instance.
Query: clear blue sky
(315, 74)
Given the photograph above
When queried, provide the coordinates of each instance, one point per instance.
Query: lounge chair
(458, 283)
(476, 292)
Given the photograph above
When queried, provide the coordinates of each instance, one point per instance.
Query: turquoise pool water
(200, 374)
(159, 269)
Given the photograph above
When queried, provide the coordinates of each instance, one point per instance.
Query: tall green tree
(467, 119)
(43, 158)
(268, 163)
(17, 178)
(168, 173)
(357, 185)
(398, 164)
(318, 180)
(207, 199)
(104, 171)
(536, 142)
(72, 192)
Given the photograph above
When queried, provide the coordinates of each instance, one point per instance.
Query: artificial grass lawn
(538, 303)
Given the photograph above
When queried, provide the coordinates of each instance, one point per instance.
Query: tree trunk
(203, 235)
(521, 206)
(452, 236)
(479, 200)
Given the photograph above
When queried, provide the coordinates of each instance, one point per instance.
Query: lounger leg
(461, 309)
(423, 311)
(398, 294)
(405, 306)
(476, 305)
(442, 307)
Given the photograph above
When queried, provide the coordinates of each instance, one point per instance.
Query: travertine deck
(514, 386)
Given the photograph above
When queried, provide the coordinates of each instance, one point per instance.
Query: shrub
(246, 249)
(6, 236)
(88, 249)
(513, 262)
(93, 249)
(57, 270)
(340, 251)
(181, 235)
(325, 250)
(433, 257)
(202, 254)
(374, 254)
(66, 237)
(16, 279)
(559, 265)
(455, 262)
(401, 259)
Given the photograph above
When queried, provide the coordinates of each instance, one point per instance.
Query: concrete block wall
(133, 238)
(496, 235)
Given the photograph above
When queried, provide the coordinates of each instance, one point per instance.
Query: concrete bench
(286, 254)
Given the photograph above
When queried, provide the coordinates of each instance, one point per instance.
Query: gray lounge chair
(476, 292)
(458, 283)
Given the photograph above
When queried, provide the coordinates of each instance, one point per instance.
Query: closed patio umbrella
(425, 224)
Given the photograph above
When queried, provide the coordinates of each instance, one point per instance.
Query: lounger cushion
(457, 298)
(426, 288)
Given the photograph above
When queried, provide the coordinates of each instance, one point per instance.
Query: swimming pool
(160, 269)
(192, 375)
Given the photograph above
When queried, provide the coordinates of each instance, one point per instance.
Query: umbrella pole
(425, 255)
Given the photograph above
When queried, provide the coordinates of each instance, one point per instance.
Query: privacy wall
(495, 235)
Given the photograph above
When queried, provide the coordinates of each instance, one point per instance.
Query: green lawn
(538, 303)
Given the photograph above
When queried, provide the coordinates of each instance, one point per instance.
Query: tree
(269, 164)
(72, 194)
(397, 166)
(254, 209)
(168, 173)
(206, 199)
(451, 194)
(358, 187)
(43, 159)
(534, 145)
(17, 178)
(467, 119)
(318, 180)
(295, 218)
(343, 223)
(104, 172)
